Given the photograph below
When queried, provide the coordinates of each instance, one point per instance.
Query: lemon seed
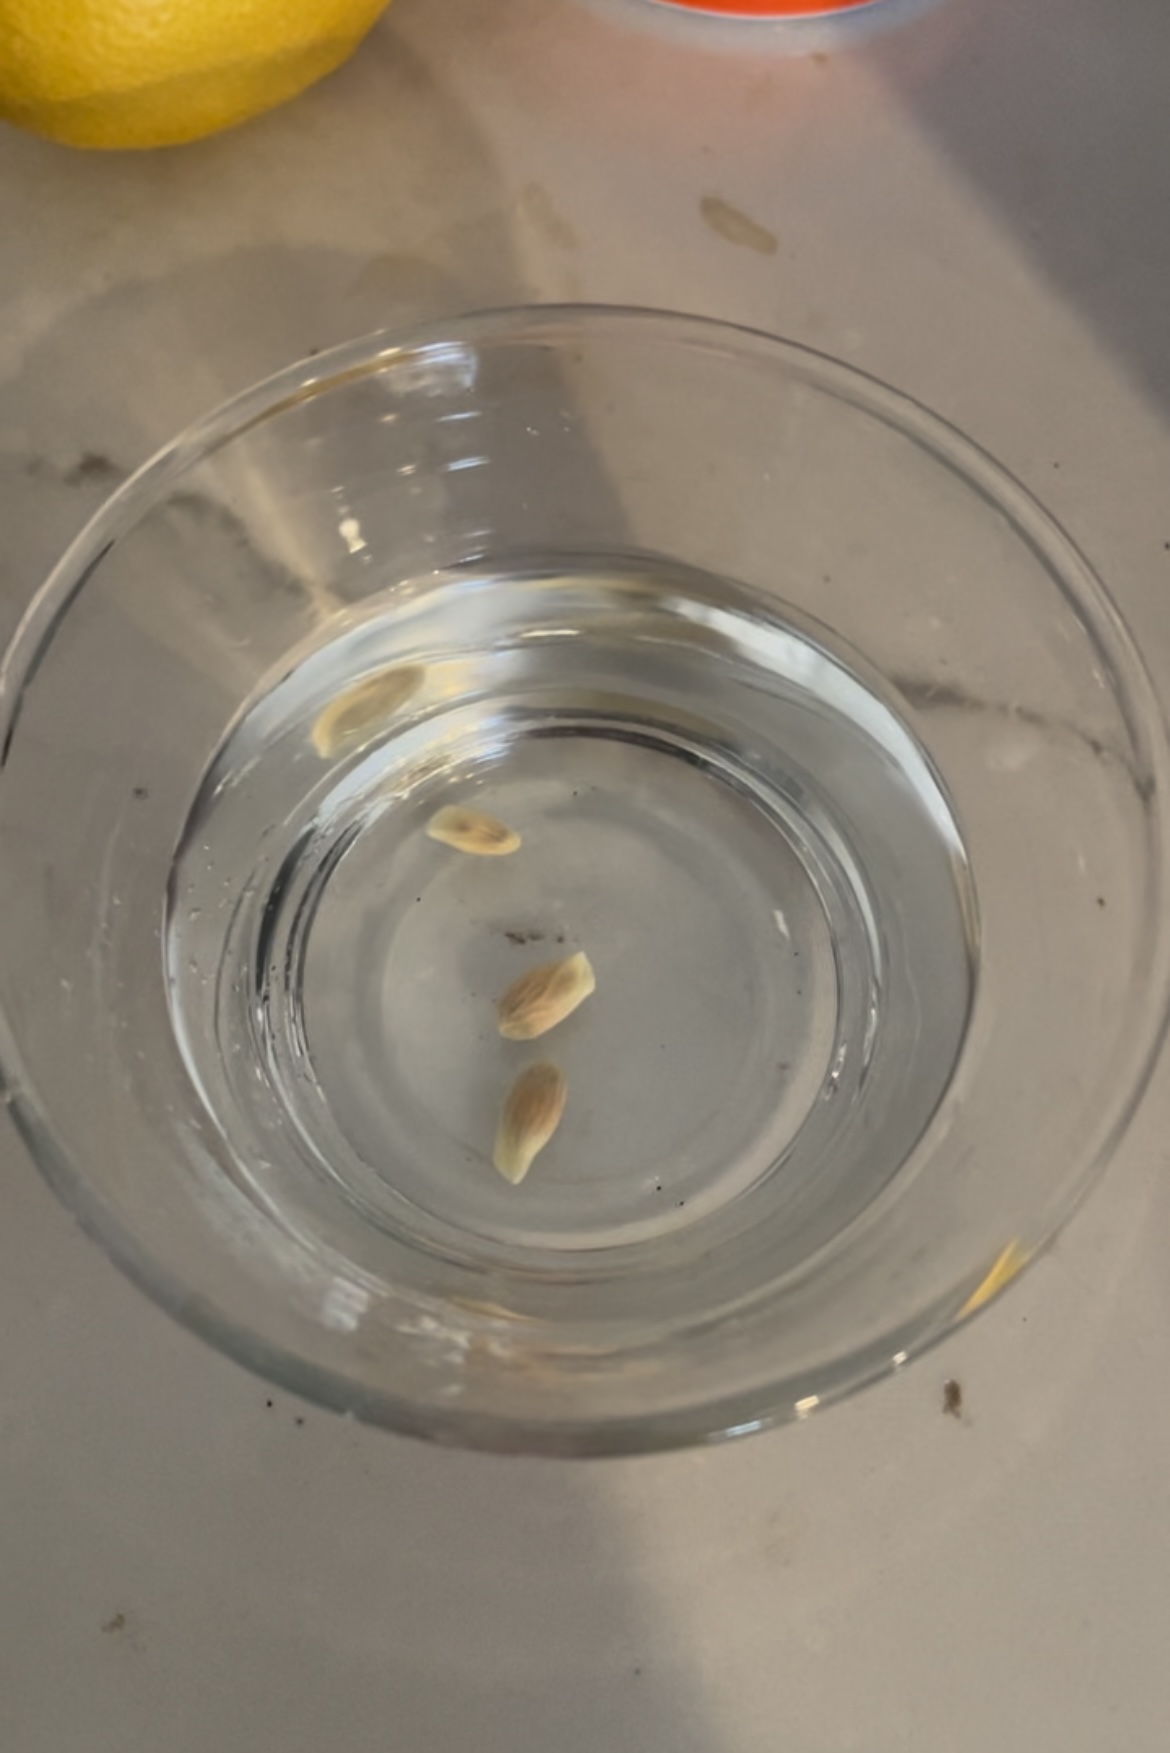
(530, 1116)
(364, 708)
(1010, 1260)
(545, 996)
(472, 831)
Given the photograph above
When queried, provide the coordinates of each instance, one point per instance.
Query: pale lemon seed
(1010, 1261)
(367, 706)
(529, 1118)
(472, 831)
(545, 996)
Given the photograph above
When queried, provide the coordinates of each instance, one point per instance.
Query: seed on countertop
(545, 996)
(530, 1116)
(472, 831)
(364, 708)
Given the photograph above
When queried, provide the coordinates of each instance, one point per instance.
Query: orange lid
(769, 8)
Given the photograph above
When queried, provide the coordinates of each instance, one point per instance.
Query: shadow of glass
(191, 1548)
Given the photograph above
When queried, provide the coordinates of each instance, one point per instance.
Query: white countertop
(974, 207)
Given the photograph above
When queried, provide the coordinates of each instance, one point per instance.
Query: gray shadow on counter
(192, 1558)
(1055, 111)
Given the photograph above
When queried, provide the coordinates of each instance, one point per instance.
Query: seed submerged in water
(364, 708)
(545, 996)
(530, 1116)
(472, 831)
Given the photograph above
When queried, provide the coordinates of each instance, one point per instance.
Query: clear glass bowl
(822, 742)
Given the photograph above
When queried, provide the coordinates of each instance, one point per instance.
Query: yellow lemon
(138, 73)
